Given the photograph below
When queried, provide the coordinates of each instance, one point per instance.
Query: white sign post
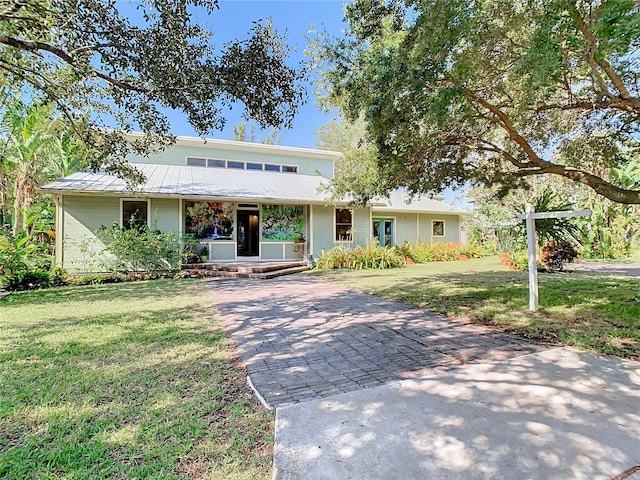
(531, 216)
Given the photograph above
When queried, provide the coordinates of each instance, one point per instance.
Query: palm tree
(33, 149)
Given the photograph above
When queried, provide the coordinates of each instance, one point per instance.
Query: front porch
(259, 270)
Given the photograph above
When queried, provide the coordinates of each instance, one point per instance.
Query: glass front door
(383, 230)
(248, 233)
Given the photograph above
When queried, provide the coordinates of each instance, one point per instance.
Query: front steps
(255, 270)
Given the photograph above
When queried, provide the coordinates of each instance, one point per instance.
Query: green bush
(373, 256)
(142, 250)
(440, 252)
(26, 280)
(555, 254)
(518, 260)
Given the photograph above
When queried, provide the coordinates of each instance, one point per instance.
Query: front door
(383, 230)
(248, 233)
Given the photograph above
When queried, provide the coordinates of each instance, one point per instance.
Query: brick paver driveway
(303, 338)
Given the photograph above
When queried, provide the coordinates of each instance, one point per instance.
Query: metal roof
(189, 181)
(227, 184)
(399, 201)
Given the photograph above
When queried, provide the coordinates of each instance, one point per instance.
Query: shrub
(440, 252)
(372, 256)
(142, 250)
(517, 260)
(26, 280)
(555, 254)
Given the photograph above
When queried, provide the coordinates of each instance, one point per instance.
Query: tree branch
(539, 166)
(594, 57)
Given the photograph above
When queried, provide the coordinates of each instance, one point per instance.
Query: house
(244, 200)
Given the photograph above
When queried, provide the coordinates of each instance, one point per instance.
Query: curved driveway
(302, 338)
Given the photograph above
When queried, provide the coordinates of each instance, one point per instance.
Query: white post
(533, 264)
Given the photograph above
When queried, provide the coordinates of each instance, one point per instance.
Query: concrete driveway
(365, 388)
(555, 415)
(614, 268)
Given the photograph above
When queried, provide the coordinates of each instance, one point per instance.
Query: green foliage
(517, 259)
(373, 256)
(240, 134)
(142, 250)
(34, 144)
(25, 280)
(105, 66)
(490, 92)
(440, 252)
(554, 255)
(96, 376)
(18, 255)
(551, 229)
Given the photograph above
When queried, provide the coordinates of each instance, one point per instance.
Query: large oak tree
(493, 90)
(103, 66)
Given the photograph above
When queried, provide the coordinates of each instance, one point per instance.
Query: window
(197, 162)
(209, 220)
(343, 224)
(134, 214)
(212, 162)
(437, 228)
(240, 165)
(231, 164)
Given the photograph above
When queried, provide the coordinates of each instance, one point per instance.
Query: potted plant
(204, 253)
(299, 245)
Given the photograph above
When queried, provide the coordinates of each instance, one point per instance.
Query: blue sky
(296, 17)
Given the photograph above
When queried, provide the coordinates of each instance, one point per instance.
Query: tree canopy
(494, 91)
(105, 64)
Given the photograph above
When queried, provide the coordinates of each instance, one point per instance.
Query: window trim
(444, 228)
(335, 225)
(133, 199)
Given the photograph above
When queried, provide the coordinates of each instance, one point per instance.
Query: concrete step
(257, 275)
(244, 267)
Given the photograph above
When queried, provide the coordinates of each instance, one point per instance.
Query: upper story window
(344, 224)
(197, 162)
(240, 165)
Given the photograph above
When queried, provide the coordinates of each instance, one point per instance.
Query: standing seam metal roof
(206, 182)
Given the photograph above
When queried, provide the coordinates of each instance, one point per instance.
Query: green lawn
(591, 311)
(130, 380)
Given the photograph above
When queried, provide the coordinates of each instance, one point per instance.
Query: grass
(591, 311)
(125, 381)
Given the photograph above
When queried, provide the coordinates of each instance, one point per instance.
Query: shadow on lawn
(100, 395)
(594, 311)
(130, 290)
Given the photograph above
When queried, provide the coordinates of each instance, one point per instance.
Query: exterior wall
(322, 219)
(406, 227)
(83, 215)
(451, 228)
(222, 251)
(362, 226)
(177, 154)
(165, 215)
